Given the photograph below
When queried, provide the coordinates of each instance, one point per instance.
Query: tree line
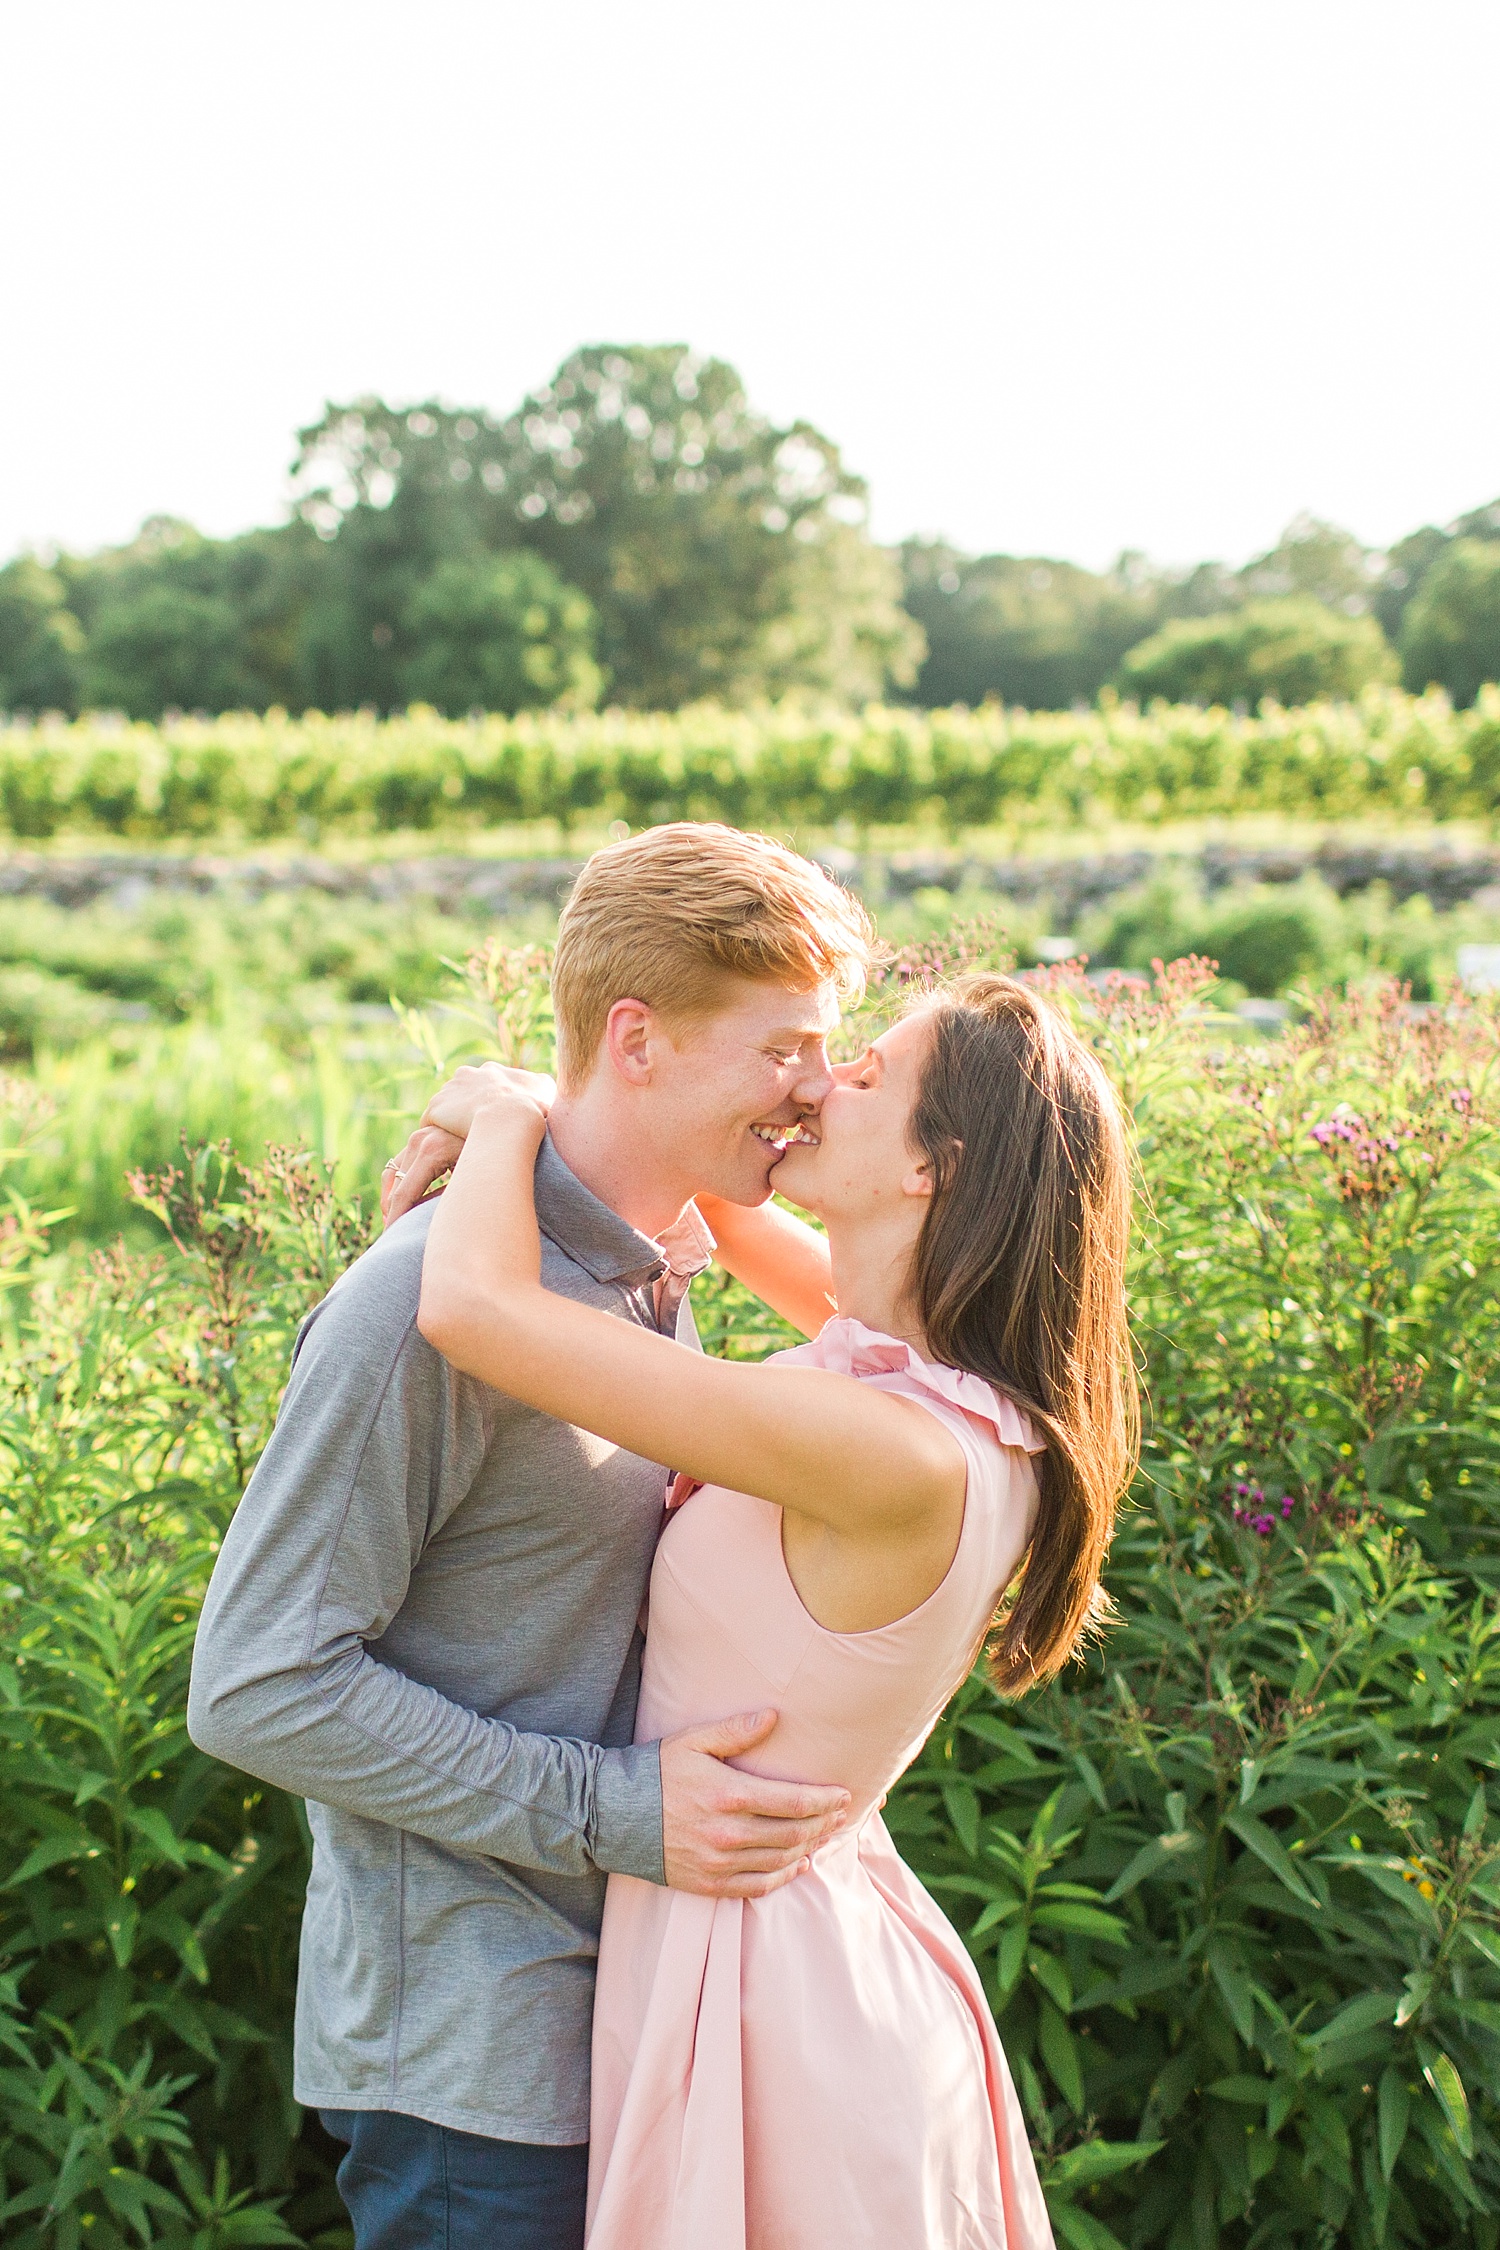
(1320, 614)
(636, 533)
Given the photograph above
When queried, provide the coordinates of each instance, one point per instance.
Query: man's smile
(783, 1137)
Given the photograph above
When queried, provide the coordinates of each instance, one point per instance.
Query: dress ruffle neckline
(847, 1347)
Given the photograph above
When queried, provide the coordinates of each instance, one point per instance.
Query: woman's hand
(454, 1107)
(434, 1148)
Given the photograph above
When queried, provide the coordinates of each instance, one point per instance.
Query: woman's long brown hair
(1019, 1277)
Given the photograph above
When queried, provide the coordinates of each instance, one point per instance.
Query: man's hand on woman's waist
(729, 1834)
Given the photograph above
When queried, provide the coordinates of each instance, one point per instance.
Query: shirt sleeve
(377, 1441)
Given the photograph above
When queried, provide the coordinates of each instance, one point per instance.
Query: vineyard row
(250, 776)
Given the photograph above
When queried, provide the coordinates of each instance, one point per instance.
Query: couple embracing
(595, 1657)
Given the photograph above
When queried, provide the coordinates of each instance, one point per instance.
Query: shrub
(1275, 938)
(1291, 650)
(1263, 938)
(1263, 943)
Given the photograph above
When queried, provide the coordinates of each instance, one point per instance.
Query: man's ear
(630, 1032)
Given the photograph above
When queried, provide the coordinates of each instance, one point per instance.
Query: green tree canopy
(1451, 631)
(41, 641)
(1024, 629)
(163, 645)
(204, 624)
(501, 633)
(1292, 650)
(692, 548)
(1317, 559)
(1032, 630)
(724, 555)
(1412, 558)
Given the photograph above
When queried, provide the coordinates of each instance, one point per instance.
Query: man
(425, 1615)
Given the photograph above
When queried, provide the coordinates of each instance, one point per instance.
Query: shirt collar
(606, 1246)
(687, 1244)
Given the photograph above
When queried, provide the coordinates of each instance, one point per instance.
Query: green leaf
(1040, 1841)
(1083, 1921)
(1394, 2107)
(999, 1910)
(1001, 1737)
(963, 1810)
(51, 1852)
(1269, 1849)
(152, 1824)
(1089, 1774)
(1099, 2160)
(1483, 1939)
(1080, 2230)
(1241, 2087)
(134, 2195)
(1327, 2128)
(1060, 2054)
(1150, 1858)
(183, 1939)
(1011, 1956)
(1284, 2096)
(1418, 1983)
(1448, 2167)
(1441, 2074)
(1229, 1974)
(120, 1927)
(1362, 2013)
(1052, 1975)
(1033, 2095)
(1484, 2013)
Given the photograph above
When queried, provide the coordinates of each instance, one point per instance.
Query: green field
(269, 1018)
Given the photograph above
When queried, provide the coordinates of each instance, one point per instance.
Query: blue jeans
(408, 2185)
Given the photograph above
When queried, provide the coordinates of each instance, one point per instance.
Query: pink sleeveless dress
(815, 2070)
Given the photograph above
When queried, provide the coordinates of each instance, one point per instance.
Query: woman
(819, 2067)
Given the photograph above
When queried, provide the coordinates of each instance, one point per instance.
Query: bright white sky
(1060, 276)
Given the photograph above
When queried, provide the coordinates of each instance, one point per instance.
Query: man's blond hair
(667, 916)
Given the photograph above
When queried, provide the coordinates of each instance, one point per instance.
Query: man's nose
(814, 1080)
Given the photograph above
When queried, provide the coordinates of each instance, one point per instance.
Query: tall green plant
(150, 1899)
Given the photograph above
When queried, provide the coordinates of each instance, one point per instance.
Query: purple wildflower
(1253, 1511)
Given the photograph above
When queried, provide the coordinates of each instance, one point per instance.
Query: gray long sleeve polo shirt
(424, 1620)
